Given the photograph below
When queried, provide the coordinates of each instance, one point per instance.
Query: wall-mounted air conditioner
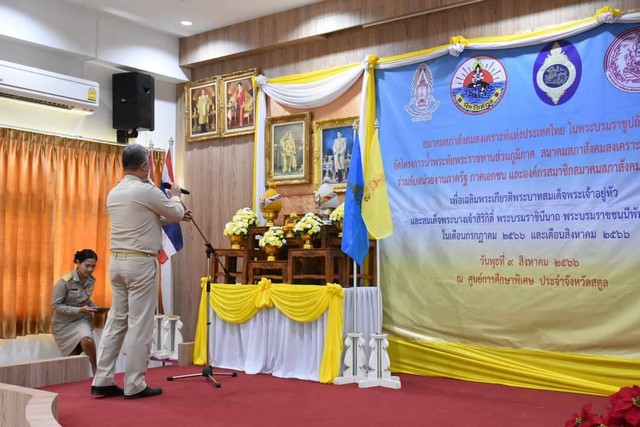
(44, 87)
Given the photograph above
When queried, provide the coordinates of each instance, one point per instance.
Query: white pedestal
(379, 363)
(157, 349)
(172, 337)
(354, 360)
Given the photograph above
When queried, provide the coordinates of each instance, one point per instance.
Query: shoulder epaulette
(68, 277)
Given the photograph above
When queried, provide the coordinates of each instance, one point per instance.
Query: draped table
(289, 331)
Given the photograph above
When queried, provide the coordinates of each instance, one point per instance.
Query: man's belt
(130, 254)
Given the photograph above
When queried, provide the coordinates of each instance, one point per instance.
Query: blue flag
(355, 238)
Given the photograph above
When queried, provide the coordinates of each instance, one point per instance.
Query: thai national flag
(172, 233)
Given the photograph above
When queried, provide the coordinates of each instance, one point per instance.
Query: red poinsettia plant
(624, 411)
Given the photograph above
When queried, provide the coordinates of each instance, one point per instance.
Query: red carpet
(263, 400)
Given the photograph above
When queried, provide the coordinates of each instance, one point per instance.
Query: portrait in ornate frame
(201, 110)
(288, 149)
(238, 107)
(331, 136)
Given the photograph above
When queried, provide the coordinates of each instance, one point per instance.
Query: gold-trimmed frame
(325, 134)
(238, 118)
(194, 129)
(278, 168)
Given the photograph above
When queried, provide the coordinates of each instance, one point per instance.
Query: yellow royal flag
(375, 201)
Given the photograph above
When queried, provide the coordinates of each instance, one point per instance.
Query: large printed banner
(514, 184)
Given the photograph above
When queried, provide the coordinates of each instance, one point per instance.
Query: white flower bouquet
(241, 223)
(308, 224)
(274, 236)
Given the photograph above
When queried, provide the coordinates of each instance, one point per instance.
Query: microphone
(168, 186)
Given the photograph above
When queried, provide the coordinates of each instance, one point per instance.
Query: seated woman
(72, 320)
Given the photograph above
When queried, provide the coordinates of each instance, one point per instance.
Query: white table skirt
(272, 343)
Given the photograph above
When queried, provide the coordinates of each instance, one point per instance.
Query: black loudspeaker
(133, 101)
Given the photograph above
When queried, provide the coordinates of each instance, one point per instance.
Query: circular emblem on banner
(622, 61)
(478, 84)
(557, 72)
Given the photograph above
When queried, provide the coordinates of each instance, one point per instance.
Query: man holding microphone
(137, 210)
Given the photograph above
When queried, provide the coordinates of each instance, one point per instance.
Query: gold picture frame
(329, 136)
(201, 110)
(238, 102)
(288, 149)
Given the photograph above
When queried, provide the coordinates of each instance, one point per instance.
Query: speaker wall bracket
(123, 135)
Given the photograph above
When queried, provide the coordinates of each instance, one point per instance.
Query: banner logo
(478, 84)
(557, 72)
(422, 104)
(622, 61)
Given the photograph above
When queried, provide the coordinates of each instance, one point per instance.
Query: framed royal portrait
(238, 105)
(201, 110)
(333, 145)
(288, 149)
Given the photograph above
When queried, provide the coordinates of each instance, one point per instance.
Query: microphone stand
(207, 371)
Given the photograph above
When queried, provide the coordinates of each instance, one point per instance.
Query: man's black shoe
(106, 391)
(147, 392)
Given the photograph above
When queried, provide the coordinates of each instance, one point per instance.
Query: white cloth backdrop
(272, 343)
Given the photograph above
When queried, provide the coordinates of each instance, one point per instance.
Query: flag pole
(379, 364)
(354, 356)
(355, 271)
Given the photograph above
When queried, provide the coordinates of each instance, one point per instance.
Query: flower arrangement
(624, 411)
(241, 223)
(274, 236)
(308, 224)
(338, 214)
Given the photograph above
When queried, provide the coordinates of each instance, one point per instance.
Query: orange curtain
(53, 203)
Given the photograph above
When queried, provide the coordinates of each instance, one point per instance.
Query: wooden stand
(236, 261)
(317, 266)
(324, 264)
(276, 271)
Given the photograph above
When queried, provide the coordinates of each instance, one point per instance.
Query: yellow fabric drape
(239, 303)
(546, 370)
(54, 204)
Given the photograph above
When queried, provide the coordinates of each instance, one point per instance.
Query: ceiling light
(186, 23)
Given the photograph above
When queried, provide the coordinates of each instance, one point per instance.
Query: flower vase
(271, 252)
(339, 227)
(306, 238)
(236, 241)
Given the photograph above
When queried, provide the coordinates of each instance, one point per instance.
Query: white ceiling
(165, 15)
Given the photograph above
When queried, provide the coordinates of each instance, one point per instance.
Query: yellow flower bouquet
(337, 215)
(241, 223)
(309, 224)
(274, 236)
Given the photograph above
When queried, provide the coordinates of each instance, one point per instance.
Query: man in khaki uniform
(137, 209)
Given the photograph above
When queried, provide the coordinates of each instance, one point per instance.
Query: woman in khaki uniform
(72, 321)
